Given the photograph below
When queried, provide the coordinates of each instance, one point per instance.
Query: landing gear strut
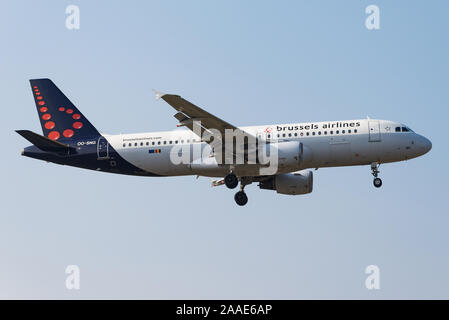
(240, 197)
(375, 171)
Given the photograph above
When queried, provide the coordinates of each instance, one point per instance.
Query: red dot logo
(68, 133)
(49, 125)
(39, 98)
(35, 87)
(46, 116)
(43, 109)
(41, 103)
(54, 135)
(69, 111)
(78, 125)
(76, 116)
(37, 93)
(61, 109)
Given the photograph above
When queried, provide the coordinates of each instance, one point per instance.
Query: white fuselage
(329, 144)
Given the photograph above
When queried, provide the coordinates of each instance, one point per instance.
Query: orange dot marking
(49, 125)
(78, 125)
(68, 133)
(54, 135)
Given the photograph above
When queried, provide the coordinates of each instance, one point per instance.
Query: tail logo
(55, 135)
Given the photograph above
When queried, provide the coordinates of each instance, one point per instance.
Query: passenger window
(182, 141)
(188, 140)
(332, 132)
(152, 143)
(307, 133)
(296, 134)
(141, 143)
(289, 134)
(176, 141)
(147, 143)
(158, 142)
(343, 131)
(165, 142)
(135, 144)
(129, 144)
(124, 145)
(301, 134)
(283, 135)
(313, 133)
(337, 132)
(325, 132)
(404, 129)
(355, 130)
(170, 142)
(319, 133)
(398, 129)
(349, 131)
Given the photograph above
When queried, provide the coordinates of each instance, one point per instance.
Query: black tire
(231, 181)
(377, 182)
(241, 198)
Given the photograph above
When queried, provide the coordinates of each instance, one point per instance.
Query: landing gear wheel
(377, 182)
(241, 198)
(231, 181)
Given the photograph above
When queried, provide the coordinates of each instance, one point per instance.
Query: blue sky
(249, 63)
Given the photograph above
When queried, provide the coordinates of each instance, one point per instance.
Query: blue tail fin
(59, 118)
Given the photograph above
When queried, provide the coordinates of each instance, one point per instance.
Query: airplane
(70, 139)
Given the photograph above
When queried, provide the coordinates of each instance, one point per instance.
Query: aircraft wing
(188, 113)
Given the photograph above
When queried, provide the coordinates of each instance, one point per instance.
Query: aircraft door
(374, 130)
(102, 148)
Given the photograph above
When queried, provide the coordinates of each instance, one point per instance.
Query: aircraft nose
(425, 144)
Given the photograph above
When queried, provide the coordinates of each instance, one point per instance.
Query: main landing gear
(231, 181)
(241, 198)
(375, 171)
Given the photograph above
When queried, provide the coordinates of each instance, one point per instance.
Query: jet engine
(300, 182)
(291, 155)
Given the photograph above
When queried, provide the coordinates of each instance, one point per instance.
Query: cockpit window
(403, 129)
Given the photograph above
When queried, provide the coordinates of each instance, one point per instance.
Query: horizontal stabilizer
(46, 144)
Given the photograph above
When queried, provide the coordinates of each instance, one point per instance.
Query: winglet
(158, 94)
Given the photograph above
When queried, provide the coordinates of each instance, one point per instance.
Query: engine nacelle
(292, 155)
(300, 182)
(289, 154)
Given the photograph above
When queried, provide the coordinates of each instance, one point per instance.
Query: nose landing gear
(375, 171)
